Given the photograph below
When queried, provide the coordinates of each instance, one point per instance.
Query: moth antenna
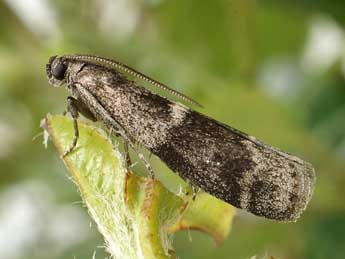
(133, 72)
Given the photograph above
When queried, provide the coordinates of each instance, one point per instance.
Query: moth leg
(140, 156)
(127, 157)
(117, 133)
(128, 141)
(147, 165)
(82, 109)
(114, 132)
(72, 108)
(195, 191)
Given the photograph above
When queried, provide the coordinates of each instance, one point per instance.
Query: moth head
(56, 71)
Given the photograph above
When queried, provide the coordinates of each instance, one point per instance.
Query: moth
(223, 161)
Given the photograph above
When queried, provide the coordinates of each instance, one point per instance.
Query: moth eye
(59, 70)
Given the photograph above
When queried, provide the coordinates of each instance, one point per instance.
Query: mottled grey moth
(223, 161)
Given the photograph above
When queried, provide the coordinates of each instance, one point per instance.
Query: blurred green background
(274, 69)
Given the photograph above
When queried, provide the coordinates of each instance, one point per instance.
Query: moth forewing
(220, 160)
(240, 171)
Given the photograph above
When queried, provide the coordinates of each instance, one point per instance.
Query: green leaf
(209, 215)
(137, 216)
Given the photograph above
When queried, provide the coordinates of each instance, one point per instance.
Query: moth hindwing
(229, 164)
